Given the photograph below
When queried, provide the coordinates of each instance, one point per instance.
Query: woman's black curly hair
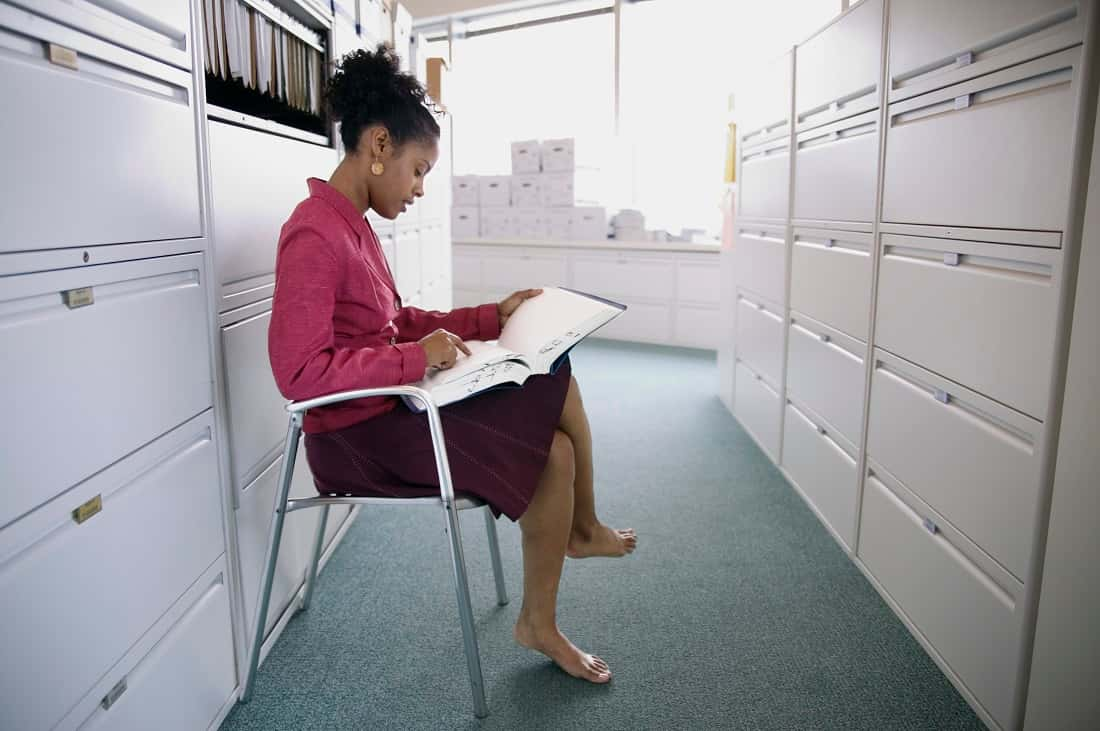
(368, 88)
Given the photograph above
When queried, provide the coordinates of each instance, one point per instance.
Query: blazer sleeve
(468, 323)
(305, 359)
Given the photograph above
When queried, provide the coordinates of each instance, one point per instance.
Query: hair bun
(369, 87)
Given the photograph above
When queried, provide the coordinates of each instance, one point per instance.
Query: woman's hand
(442, 348)
(509, 305)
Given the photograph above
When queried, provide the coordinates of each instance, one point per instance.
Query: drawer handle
(942, 396)
(830, 243)
(930, 526)
(821, 431)
(964, 59)
(87, 510)
(114, 694)
(758, 376)
(62, 56)
(824, 338)
(76, 298)
(951, 258)
(962, 102)
(760, 307)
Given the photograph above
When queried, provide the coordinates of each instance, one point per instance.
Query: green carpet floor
(738, 611)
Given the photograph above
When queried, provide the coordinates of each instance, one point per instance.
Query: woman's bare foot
(564, 653)
(601, 541)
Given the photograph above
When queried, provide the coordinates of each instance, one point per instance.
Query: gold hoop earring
(377, 167)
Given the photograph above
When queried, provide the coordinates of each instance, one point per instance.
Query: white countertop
(606, 244)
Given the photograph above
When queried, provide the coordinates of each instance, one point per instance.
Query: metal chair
(446, 500)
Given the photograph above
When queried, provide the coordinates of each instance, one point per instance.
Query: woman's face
(402, 180)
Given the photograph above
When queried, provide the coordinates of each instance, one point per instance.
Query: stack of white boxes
(539, 200)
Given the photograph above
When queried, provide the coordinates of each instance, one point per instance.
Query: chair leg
(290, 452)
(466, 613)
(494, 554)
(318, 545)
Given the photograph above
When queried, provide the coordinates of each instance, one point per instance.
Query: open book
(534, 341)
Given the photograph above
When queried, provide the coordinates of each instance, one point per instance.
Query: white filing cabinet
(931, 240)
(82, 132)
(837, 70)
(256, 180)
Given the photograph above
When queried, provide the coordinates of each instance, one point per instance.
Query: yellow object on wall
(731, 153)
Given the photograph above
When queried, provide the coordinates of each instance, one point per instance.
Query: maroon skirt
(497, 444)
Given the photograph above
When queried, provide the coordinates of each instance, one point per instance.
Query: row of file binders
(256, 44)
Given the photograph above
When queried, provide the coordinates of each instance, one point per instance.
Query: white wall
(1066, 662)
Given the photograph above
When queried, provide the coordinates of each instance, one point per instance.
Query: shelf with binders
(266, 65)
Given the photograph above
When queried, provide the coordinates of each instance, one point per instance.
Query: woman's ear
(381, 144)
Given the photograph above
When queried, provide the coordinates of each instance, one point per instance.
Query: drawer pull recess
(942, 396)
(930, 526)
(951, 258)
(824, 338)
(830, 243)
(964, 59)
(82, 297)
(88, 509)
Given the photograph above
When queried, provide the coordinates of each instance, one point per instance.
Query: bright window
(681, 59)
(537, 82)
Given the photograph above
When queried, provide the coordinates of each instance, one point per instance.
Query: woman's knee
(562, 458)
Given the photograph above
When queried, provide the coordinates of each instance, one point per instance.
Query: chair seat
(462, 502)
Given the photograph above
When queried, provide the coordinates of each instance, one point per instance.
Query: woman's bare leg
(588, 537)
(545, 527)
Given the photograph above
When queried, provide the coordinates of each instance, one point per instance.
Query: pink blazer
(337, 322)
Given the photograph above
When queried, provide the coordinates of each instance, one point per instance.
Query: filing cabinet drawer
(256, 410)
(831, 278)
(825, 371)
(196, 654)
(822, 470)
(87, 385)
(523, 270)
(408, 273)
(766, 102)
(760, 336)
(986, 321)
(641, 322)
(971, 459)
(253, 532)
(756, 405)
(431, 254)
(256, 181)
(836, 171)
(994, 151)
(761, 260)
(837, 71)
(76, 596)
(765, 180)
(160, 29)
(934, 43)
(74, 148)
(625, 277)
(963, 605)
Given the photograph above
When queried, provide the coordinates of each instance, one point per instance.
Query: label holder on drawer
(62, 56)
(86, 511)
(114, 694)
(80, 297)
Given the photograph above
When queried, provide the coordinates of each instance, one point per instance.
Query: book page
(482, 354)
(554, 320)
(494, 374)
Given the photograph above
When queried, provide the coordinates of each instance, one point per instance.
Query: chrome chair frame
(446, 500)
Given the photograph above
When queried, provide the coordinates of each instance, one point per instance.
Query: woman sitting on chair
(338, 324)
